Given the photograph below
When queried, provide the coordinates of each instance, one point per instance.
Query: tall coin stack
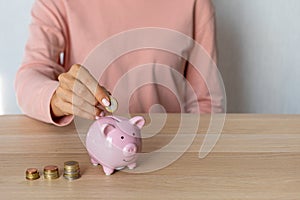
(71, 170)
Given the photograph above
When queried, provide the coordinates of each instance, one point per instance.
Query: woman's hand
(79, 94)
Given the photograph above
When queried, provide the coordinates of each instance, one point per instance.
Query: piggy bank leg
(108, 171)
(94, 162)
(131, 166)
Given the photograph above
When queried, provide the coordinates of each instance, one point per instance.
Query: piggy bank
(114, 142)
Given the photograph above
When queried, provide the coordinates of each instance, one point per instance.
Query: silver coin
(113, 105)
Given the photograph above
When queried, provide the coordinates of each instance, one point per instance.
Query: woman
(45, 82)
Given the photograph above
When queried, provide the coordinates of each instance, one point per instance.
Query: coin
(51, 177)
(51, 169)
(71, 165)
(32, 174)
(113, 105)
(51, 172)
(72, 176)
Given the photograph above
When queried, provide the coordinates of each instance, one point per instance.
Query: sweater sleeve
(204, 77)
(36, 79)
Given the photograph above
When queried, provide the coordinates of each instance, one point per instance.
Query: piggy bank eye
(133, 134)
(122, 137)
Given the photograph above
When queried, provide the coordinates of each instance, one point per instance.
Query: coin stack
(32, 174)
(71, 170)
(51, 172)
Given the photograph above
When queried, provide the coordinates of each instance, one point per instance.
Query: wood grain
(256, 157)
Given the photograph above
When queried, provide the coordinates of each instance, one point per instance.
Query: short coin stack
(71, 170)
(51, 172)
(32, 174)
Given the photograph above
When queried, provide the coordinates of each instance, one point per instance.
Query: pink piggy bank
(114, 142)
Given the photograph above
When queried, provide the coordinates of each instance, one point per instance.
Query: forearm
(34, 87)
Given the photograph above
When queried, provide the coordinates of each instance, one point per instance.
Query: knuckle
(64, 80)
(76, 67)
(76, 111)
(62, 77)
(59, 102)
(81, 91)
(67, 82)
(80, 102)
(60, 92)
(91, 100)
(87, 79)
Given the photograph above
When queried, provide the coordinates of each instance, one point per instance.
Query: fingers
(68, 82)
(87, 80)
(86, 104)
(77, 106)
(79, 94)
(74, 110)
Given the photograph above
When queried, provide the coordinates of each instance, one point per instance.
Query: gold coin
(50, 169)
(71, 165)
(113, 105)
(51, 177)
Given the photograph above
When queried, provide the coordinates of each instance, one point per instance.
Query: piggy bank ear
(138, 121)
(106, 129)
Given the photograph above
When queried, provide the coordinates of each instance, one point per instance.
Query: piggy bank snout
(129, 150)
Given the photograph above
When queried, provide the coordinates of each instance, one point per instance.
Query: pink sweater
(75, 28)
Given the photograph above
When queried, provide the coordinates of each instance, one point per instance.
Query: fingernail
(105, 102)
(97, 117)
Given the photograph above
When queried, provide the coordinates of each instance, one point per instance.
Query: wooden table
(256, 157)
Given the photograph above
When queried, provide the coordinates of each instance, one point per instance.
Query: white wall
(14, 20)
(258, 43)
